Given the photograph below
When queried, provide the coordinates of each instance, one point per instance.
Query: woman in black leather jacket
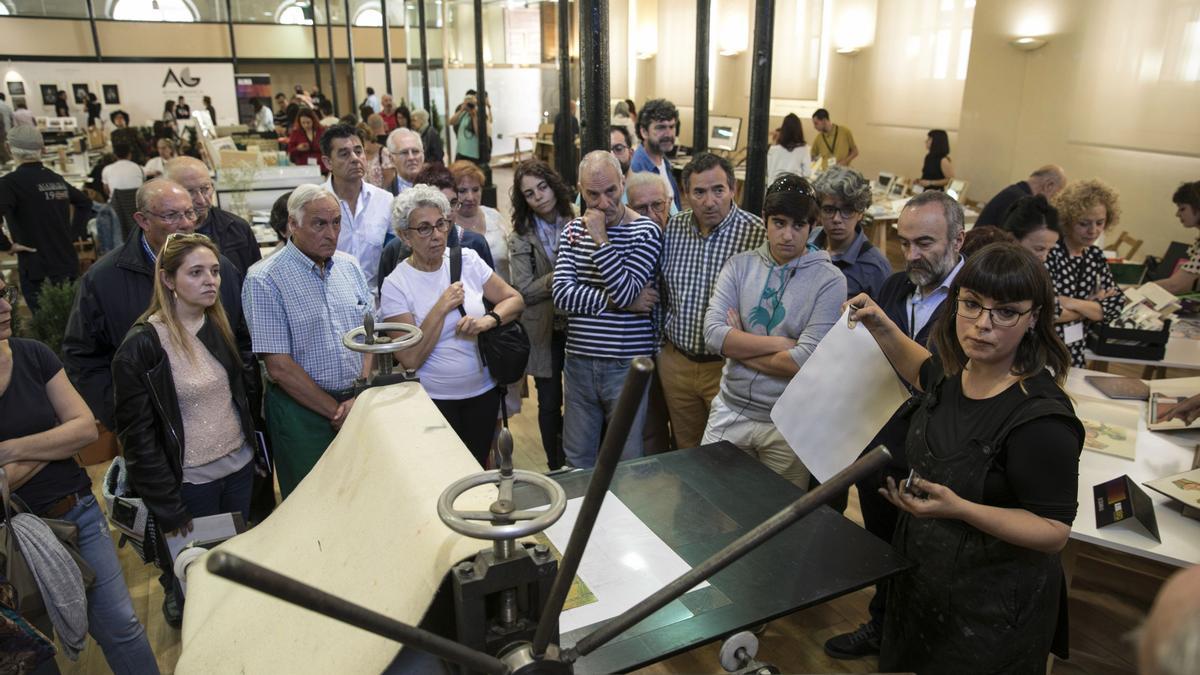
(182, 411)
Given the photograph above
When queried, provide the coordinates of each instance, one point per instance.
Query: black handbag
(29, 600)
(503, 349)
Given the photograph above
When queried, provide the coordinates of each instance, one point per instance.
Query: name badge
(1073, 332)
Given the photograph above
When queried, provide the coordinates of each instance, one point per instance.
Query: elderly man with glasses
(407, 152)
(231, 234)
(117, 289)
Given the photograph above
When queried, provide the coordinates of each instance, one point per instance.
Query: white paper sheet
(842, 397)
(623, 564)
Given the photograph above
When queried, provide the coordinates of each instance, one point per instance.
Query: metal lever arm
(246, 573)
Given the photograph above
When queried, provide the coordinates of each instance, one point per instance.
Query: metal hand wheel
(502, 520)
(374, 343)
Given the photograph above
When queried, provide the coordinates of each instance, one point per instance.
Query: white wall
(516, 96)
(141, 86)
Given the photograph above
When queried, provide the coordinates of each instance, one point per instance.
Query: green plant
(49, 322)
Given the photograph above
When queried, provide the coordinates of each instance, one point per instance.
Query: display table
(1158, 454)
(261, 189)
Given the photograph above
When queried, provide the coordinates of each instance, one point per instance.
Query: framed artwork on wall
(112, 95)
(49, 93)
(16, 88)
(80, 91)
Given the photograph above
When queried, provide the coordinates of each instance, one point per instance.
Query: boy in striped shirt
(602, 280)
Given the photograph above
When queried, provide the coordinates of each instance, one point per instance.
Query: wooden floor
(1110, 594)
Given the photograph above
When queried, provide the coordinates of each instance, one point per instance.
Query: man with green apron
(298, 304)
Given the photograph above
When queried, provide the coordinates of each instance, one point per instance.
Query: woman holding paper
(994, 447)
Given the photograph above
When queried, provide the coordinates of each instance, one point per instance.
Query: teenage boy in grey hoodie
(770, 308)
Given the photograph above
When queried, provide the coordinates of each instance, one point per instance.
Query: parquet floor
(1110, 595)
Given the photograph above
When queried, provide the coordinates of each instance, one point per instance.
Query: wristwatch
(496, 317)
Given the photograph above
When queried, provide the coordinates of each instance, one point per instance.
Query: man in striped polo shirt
(602, 280)
(697, 242)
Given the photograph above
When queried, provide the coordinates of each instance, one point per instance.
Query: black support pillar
(350, 51)
(760, 106)
(481, 113)
(332, 64)
(427, 100)
(593, 75)
(564, 148)
(312, 11)
(387, 48)
(232, 41)
(95, 34)
(700, 114)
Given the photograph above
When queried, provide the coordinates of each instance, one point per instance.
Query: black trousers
(879, 518)
(474, 420)
(550, 402)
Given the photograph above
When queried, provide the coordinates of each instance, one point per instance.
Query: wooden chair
(1126, 238)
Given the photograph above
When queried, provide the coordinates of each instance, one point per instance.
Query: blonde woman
(182, 409)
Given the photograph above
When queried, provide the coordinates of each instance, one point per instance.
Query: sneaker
(862, 642)
(172, 610)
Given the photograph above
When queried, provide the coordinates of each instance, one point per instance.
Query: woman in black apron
(994, 446)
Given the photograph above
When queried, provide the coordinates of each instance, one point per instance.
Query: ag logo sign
(184, 79)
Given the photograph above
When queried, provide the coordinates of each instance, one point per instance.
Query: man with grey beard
(931, 235)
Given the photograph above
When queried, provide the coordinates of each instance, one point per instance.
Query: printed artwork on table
(1182, 487)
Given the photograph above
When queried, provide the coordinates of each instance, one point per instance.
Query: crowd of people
(187, 342)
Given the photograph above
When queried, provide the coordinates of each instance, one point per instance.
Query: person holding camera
(465, 121)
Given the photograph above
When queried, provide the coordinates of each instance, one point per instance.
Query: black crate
(1129, 343)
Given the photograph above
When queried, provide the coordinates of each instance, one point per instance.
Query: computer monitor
(885, 180)
(724, 132)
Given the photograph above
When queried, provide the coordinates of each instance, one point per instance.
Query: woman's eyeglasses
(1005, 317)
(442, 226)
(187, 236)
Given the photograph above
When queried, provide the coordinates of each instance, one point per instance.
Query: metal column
(481, 120)
(387, 47)
(593, 75)
(426, 98)
(95, 34)
(350, 50)
(332, 65)
(760, 106)
(312, 10)
(564, 149)
(232, 42)
(700, 110)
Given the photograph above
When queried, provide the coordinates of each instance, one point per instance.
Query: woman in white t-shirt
(789, 154)
(419, 292)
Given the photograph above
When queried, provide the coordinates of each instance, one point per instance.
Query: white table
(1158, 454)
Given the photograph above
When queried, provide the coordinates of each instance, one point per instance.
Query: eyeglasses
(175, 216)
(205, 192)
(442, 226)
(1005, 317)
(847, 212)
(619, 147)
(654, 206)
(790, 182)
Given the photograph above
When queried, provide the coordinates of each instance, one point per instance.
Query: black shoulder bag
(503, 349)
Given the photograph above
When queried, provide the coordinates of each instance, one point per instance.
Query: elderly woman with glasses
(994, 446)
(769, 309)
(451, 316)
(845, 196)
(181, 388)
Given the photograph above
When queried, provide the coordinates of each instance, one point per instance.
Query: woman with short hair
(1087, 292)
(419, 292)
(844, 195)
(1187, 210)
(994, 447)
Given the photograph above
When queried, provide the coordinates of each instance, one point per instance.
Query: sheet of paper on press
(841, 398)
(624, 562)
(362, 525)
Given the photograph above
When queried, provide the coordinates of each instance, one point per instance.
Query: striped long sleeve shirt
(590, 282)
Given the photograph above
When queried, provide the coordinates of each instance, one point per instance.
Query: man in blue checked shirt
(298, 303)
(602, 280)
(696, 245)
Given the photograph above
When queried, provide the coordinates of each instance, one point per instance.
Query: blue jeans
(230, 494)
(593, 387)
(111, 619)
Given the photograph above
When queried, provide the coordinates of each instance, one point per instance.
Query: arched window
(292, 14)
(152, 10)
(369, 16)
(4, 10)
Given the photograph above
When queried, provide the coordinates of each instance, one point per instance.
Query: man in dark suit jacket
(1046, 181)
(931, 235)
(230, 233)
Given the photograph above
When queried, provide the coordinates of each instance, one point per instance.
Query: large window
(153, 10)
